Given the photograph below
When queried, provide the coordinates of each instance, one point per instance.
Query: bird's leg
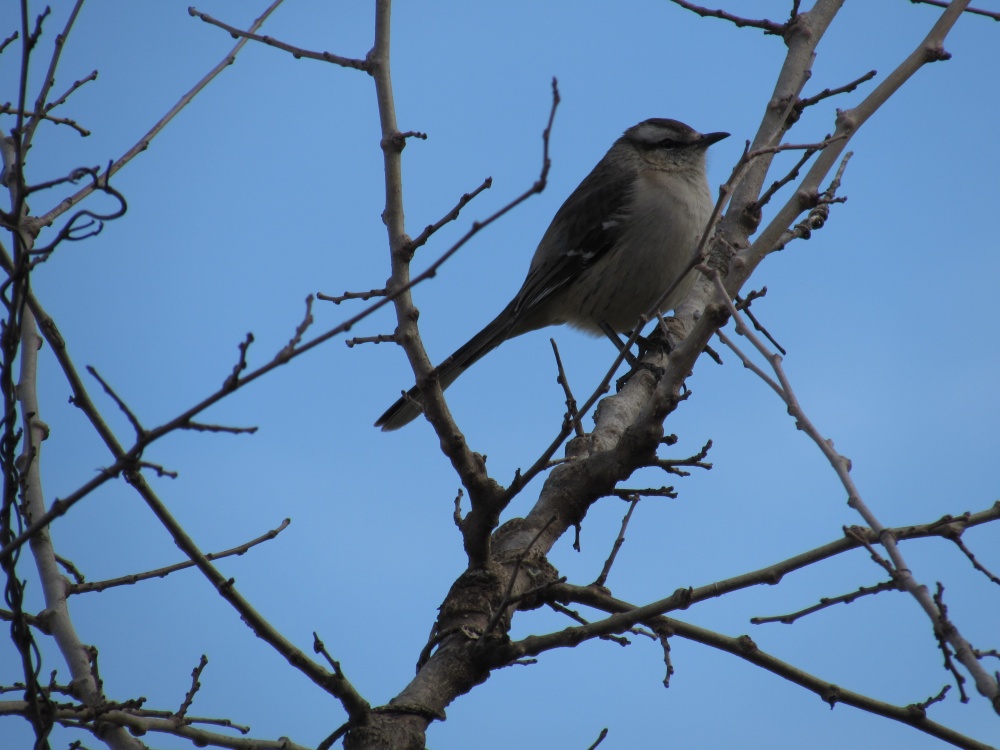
(635, 363)
(619, 344)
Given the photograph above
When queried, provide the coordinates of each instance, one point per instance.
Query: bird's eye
(667, 143)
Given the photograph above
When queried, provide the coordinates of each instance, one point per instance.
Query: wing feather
(582, 232)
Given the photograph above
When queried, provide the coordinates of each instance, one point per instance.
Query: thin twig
(453, 214)
(195, 687)
(140, 431)
(296, 52)
(82, 588)
(828, 602)
(364, 296)
(70, 568)
(809, 101)
(626, 493)
(300, 331)
(600, 739)
(382, 338)
(972, 559)
(943, 628)
(202, 427)
(92, 76)
(768, 27)
(664, 634)
(810, 148)
(10, 109)
(572, 415)
(619, 541)
(577, 617)
(924, 705)
(160, 470)
(671, 465)
(994, 14)
(6, 42)
(743, 305)
(793, 174)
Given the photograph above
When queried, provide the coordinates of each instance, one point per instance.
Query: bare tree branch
(144, 142)
(297, 52)
(901, 571)
(82, 588)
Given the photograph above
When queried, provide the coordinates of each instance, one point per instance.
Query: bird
(622, 238)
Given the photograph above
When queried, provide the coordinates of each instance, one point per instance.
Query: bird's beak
(709, 138)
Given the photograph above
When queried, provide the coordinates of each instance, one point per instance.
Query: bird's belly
(632, 281)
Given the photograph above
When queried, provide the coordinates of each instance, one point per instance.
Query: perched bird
(620, 240)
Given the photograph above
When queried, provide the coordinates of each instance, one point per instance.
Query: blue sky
(268, 187)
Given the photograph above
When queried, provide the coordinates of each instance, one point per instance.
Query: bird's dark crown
(662, 133)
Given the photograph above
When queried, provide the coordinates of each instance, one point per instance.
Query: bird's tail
(408, 408)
